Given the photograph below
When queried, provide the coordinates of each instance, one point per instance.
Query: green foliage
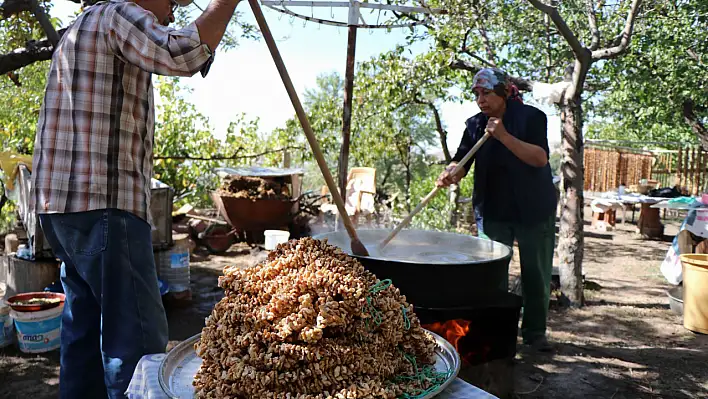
(21, 97)
(436, 215)
(7, 217)
(180, 129)
(20, 110)
(390, 139)
(183, 132)
(555, 161)
(665, 67)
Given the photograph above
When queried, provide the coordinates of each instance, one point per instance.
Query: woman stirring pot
(513, 189)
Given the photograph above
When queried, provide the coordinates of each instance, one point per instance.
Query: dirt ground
(625, 343)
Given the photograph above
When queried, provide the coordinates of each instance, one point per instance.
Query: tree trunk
(690, 117)
(570, 243)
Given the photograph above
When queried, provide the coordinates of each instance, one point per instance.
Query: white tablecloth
(145, 385)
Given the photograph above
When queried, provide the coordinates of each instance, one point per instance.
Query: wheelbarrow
(243, 218)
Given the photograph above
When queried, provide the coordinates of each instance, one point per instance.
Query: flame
(451, 330)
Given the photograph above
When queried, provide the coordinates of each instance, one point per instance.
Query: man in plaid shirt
(91, 182)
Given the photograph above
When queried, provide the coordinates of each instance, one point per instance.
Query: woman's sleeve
(538, 131)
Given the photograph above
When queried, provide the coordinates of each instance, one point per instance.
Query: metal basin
(676, 300)
(433, 269)
(178, 368)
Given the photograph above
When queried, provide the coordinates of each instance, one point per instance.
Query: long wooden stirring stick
(358, 247)
(432, 194)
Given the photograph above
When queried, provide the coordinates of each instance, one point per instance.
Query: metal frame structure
(354, 12)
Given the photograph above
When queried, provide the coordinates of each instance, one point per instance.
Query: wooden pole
(699, 171)
(670, 168)
(357, 246)
(594, 170)
(347, 113)
(694, 180)
(617, 160)
(432, 193)
(686, 168)
(679, 161)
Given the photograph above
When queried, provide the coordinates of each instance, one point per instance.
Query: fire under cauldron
(457, 285)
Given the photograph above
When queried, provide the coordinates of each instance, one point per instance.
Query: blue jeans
(479, 221)
(113, 314)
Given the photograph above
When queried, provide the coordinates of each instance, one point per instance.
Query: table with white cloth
(145, 385)
(649, 223)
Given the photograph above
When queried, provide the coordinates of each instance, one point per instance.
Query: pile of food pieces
(254, 188)
(311, 322)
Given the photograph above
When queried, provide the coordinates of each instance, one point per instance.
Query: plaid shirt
(94, 141)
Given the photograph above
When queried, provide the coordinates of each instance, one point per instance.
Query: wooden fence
(686, 167)
(607, 168)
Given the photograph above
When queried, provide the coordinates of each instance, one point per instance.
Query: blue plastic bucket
(39, 331)
(7, 331)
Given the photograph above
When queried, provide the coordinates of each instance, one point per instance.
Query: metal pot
(676, 300)
(433, 269)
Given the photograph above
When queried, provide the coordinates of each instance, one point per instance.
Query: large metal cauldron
(433, 269)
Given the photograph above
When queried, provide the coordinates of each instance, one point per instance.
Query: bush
(436, 215)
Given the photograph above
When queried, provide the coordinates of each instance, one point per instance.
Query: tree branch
(485, 38)
(3, 198)
(592, 21)
(690, 117)
(463, 49)
(521, 84)
(44, 22)
(439, 127)
(696, 57)
(232, 157)
(14, 78)
(626, 35)
(693, 55)
(420, 21)
(480, 59)
(35, 51)
(13, 7)
(464, 66)
(563, 28)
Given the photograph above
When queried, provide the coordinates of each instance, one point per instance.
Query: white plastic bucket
(275, 237)
(7, 330)
(39, 331)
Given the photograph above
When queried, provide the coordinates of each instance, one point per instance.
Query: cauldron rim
(347, 250)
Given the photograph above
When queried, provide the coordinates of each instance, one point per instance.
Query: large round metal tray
(179, 367)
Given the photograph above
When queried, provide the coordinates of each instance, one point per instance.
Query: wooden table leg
(649, 224)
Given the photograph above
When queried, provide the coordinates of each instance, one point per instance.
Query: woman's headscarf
(498, 81)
